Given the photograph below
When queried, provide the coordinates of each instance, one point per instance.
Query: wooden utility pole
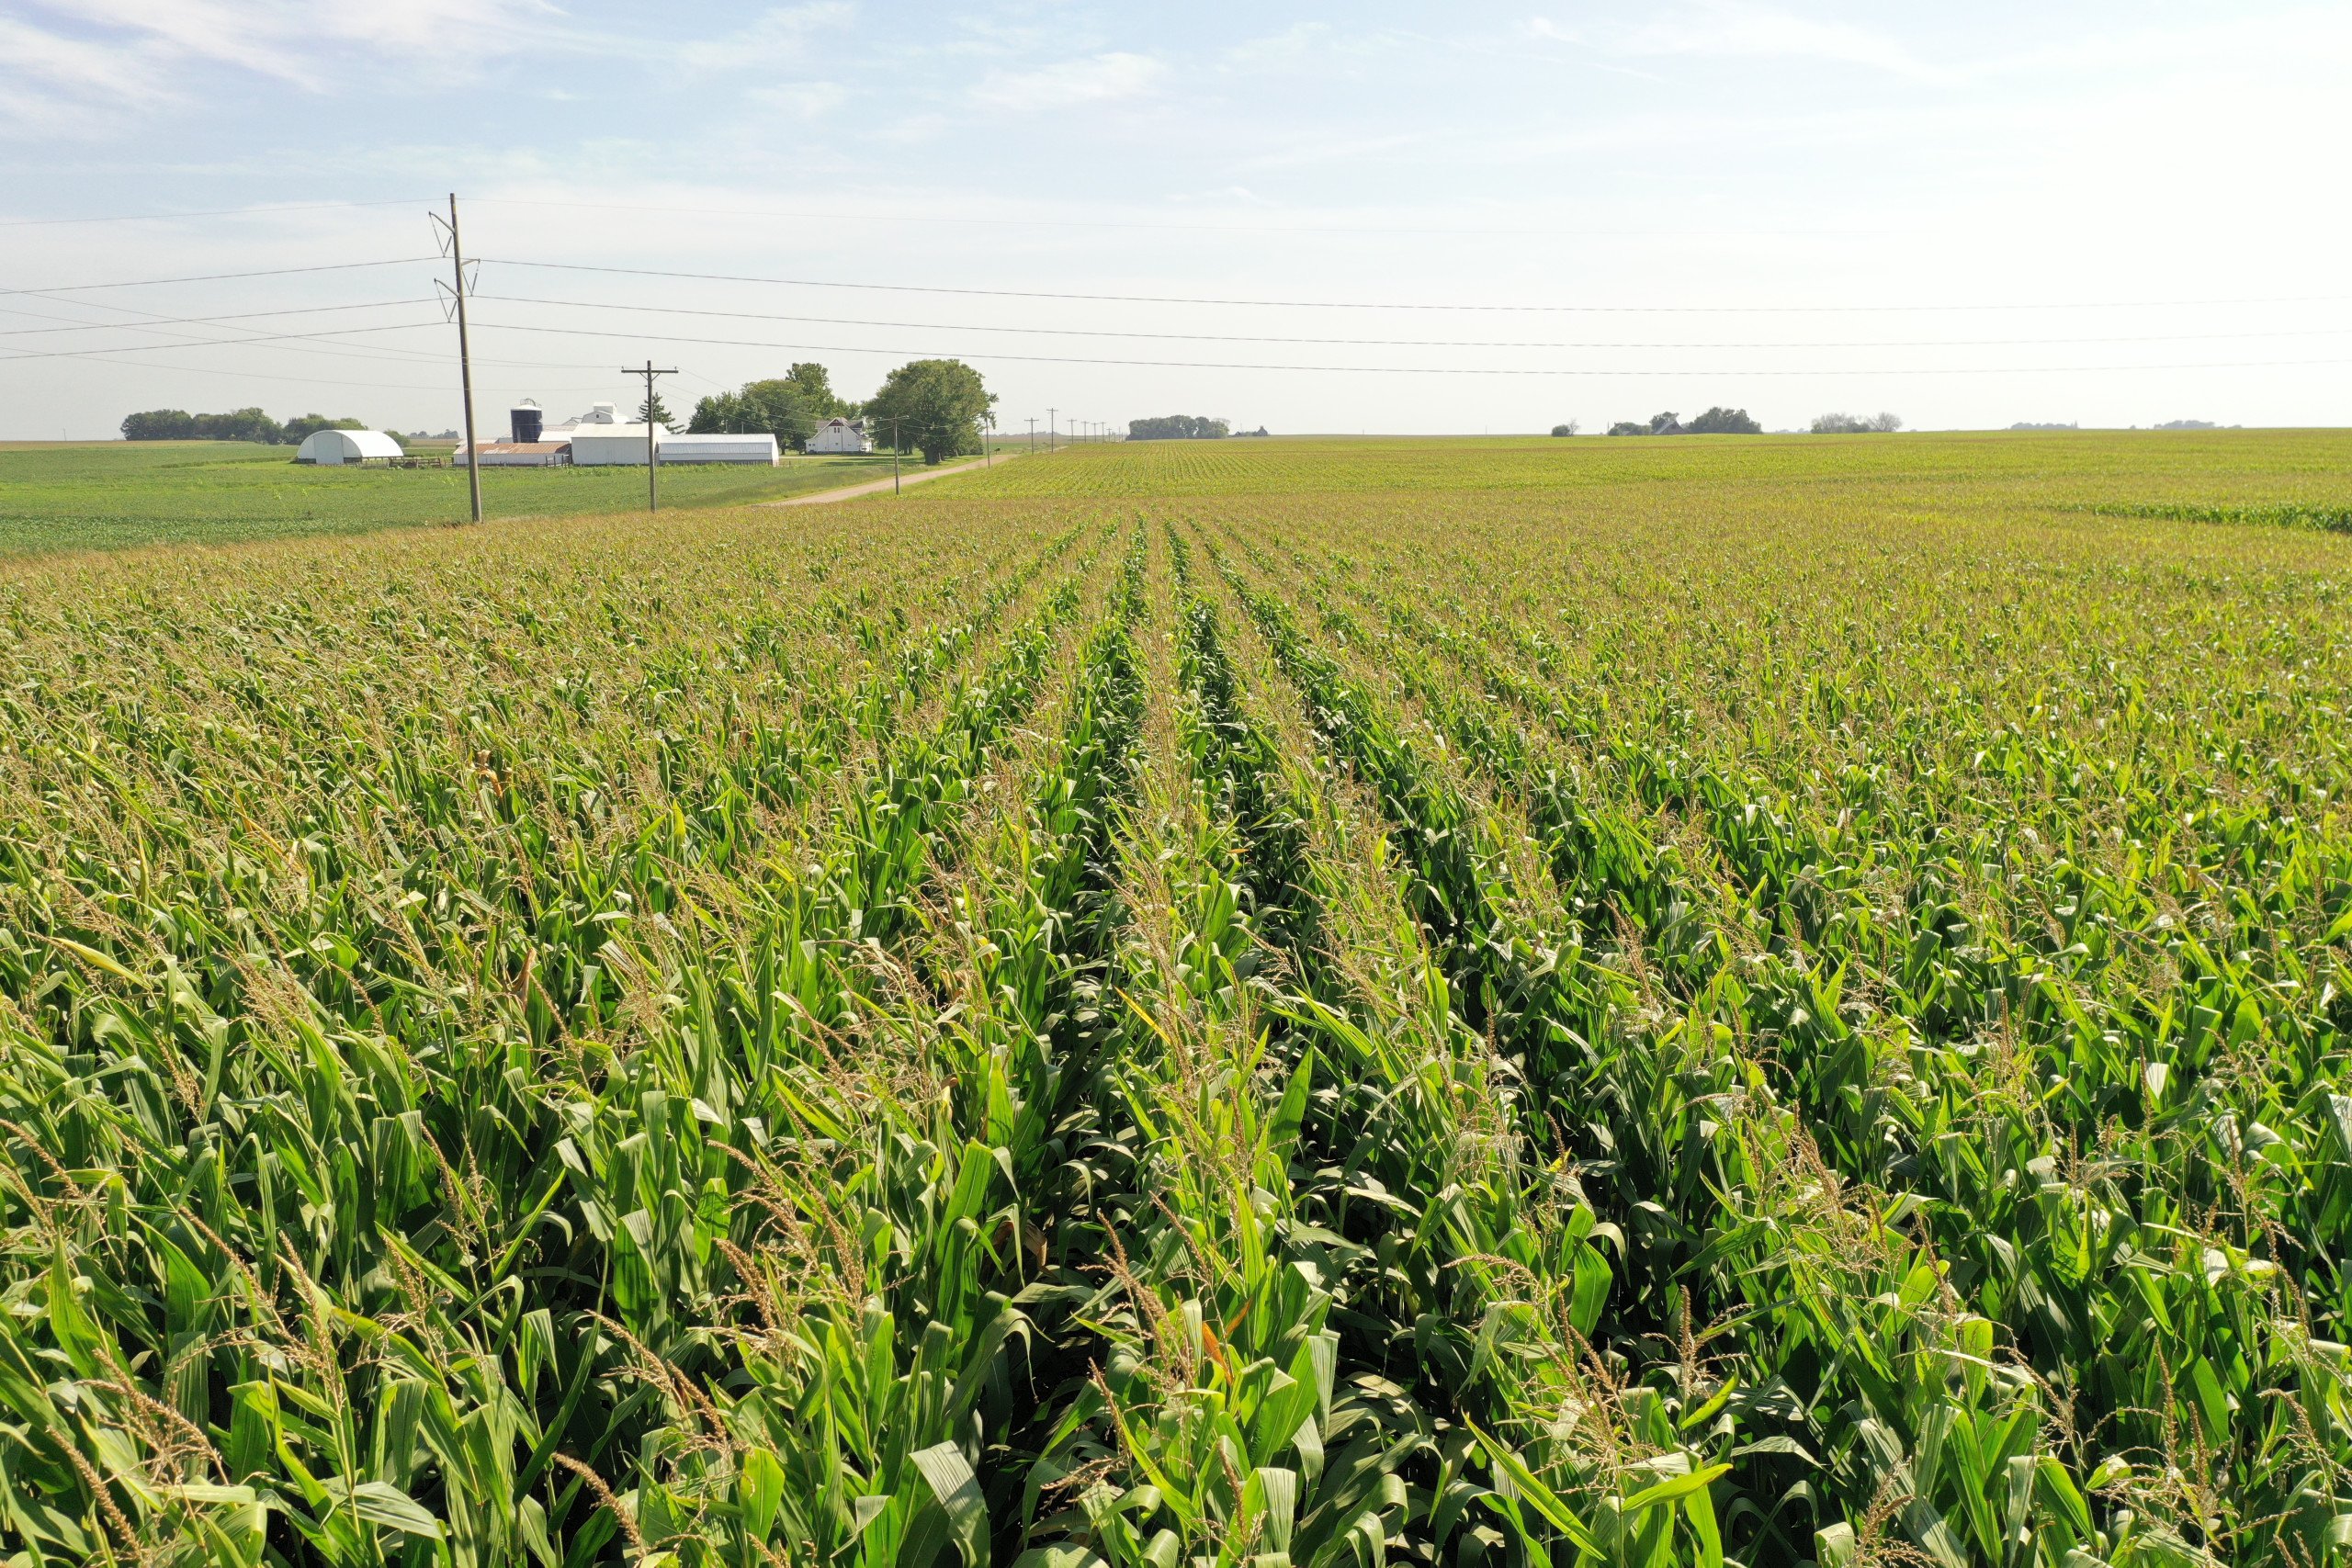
(894, 455)
(1049, 428)
(465, 356)
(1033, 435)
(652, 457)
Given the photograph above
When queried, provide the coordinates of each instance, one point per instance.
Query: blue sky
(2114, 214)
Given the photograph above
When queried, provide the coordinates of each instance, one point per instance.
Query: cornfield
(1295, 1006)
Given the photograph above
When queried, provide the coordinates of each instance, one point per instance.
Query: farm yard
(109, 495)
(1773, 1000)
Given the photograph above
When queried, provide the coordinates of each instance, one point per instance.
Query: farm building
(718, 449)
(837, 436)
(598, 414)
(603, 445)
(335, 446)
(520, 454)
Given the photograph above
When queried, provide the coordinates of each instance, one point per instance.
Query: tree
(159, 424)
(653, 411)
(934, 405)
(1178, 427)
(175, 424)
(1567, 429)
(1849, 424)
(1627, 427)
(297, 431)
(816, 388)
(1722, 422)
(777, 407)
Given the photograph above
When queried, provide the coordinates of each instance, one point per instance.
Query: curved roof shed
(347, 447)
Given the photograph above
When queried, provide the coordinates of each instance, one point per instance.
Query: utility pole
(986, 429)
(1033, 435)
(465, 355)
(1049, 428)
(894, 456)
(652, 462)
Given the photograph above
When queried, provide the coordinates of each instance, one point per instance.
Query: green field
(1284, 1003)
(107, 495)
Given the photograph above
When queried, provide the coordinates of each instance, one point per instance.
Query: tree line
(1714, 421)
(1178, 427)
(937, 406)
(237, 424)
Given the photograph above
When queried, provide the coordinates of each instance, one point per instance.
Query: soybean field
(1294, 1003)
(102, 495)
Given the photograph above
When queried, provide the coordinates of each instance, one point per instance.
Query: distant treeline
(1714, 421)
(1177, 427)
(1856, 425)
(238, 424)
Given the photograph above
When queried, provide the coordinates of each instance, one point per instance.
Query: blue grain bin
(526, 419)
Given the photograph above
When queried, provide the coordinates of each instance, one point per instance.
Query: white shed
(347, 447)
(605, 445)
(718, 449)
(836, 435)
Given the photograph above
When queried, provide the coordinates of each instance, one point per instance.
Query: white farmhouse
(840, 435)
(336, 446)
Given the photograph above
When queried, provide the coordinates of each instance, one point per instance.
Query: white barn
(336, 446)
(758, 449)
(840, 435)
(607, 445)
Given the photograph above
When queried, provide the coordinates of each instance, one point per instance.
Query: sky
(1382, 217)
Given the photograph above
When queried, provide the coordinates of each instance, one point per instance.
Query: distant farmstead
(333, 447)
(840, 435)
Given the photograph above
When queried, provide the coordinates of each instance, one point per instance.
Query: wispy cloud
(1100, 78)
(1733, 27)
(801, 100)
(1293, 42)
(779, 37)
(115, 59)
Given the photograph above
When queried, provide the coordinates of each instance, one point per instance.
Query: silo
(527, 420)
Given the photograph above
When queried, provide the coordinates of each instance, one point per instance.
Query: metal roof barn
(331, 446)
(611, 446)
(718, 449)
(520, 454)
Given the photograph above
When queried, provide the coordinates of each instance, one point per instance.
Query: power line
(1157, 228)
(218, 276)
(215, 212)
(1416, 369)
(150, 325)
(1374, 305)
(151, 322)
(1389, 343)
(99, 356)
(257, 340)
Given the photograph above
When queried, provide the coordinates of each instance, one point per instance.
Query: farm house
(330, 447)
(840, 435)
(758, 448)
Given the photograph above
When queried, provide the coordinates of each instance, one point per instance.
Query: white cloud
(1278, 49)
(780, 36)
(1100, 78)
(54, 66)
(1732, 27)
(802, 100)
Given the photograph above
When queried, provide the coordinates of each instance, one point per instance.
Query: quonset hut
(332, 448)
